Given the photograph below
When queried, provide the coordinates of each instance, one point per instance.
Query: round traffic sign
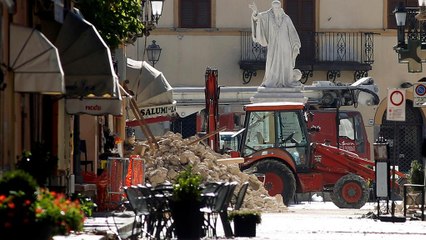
(420, 90)
(396, 98)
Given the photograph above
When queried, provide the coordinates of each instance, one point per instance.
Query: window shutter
(204, 13)
(195, 13)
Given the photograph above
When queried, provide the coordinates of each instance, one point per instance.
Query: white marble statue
(273, 28)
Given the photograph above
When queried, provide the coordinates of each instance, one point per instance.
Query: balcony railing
(321, 51)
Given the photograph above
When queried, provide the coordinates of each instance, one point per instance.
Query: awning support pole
(142, 123)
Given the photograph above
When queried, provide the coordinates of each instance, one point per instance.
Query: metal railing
(414, 29)
(355, 47)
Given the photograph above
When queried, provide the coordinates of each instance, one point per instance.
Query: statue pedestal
(265, 94)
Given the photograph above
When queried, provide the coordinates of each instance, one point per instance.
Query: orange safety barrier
(135, 171)
(101, 182)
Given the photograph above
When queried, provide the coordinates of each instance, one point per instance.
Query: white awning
(94, 106)
(91, 83)
(35, 62)
(150, 89)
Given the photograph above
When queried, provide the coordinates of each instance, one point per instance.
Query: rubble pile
(175, 153)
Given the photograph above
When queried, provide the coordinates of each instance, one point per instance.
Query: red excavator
(279, 147)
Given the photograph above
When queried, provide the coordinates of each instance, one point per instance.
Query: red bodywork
(328, 164)
(212, 106)
(324, 164)
(326, 119)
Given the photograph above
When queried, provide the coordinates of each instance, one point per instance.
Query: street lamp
(151, 11)
(421, 16)
(400, 17)
(153, 51)
(411, 42)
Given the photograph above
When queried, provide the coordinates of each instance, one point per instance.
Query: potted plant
(415, 176)
(30, 212)
(185, 205)
(245, 222)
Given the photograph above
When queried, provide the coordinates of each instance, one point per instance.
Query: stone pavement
(304, 221)
(323, 220)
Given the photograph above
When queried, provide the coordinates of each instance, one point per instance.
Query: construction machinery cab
(282, 127)
(276, 146)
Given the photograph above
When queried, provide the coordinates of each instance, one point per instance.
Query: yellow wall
(350, 14)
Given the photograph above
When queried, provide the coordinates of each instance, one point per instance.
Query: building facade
(35, 39)
(341, 41)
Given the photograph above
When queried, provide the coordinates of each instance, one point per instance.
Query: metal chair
(210, 205)
(240, 196)
(223, 213)
(139, 206)
(85, 162)
(161, 222)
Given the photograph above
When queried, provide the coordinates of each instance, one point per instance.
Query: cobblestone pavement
(323, 220)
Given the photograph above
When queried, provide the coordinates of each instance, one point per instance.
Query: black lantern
(153, 51)
(400, 17)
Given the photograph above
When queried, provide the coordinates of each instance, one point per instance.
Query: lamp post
(421, 16)
(151, 11)
(153, 51)
(400, 17)
(411, 29)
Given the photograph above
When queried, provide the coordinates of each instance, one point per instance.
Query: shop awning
(150, 89)
(34, 60)
(90, 80)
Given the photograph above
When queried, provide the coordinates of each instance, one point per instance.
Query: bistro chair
(218, 205)
(210, 202)
(139, 206)
(239, 198)
(223, 213)
(162, 221)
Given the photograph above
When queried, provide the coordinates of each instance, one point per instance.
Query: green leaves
(118, 22)
(187, 186)
(246, 213)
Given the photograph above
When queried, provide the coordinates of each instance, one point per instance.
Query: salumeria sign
(156, 111)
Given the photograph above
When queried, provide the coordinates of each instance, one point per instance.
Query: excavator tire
(278, 179)
(350, 191)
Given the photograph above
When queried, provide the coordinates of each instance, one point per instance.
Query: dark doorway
(408, 137)
(185, 126)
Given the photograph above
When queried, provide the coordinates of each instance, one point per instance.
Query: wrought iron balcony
(332, 52)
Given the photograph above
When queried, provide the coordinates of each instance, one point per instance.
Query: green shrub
(39, 162)
(416, 175)
(18, 181)
(243, 213)
(187, 186)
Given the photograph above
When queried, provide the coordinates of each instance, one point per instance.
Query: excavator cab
(277, 129)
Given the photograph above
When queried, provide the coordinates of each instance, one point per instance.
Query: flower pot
(187, 219)
(245, 226)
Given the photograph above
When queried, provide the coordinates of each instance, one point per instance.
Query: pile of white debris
(175, 154)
